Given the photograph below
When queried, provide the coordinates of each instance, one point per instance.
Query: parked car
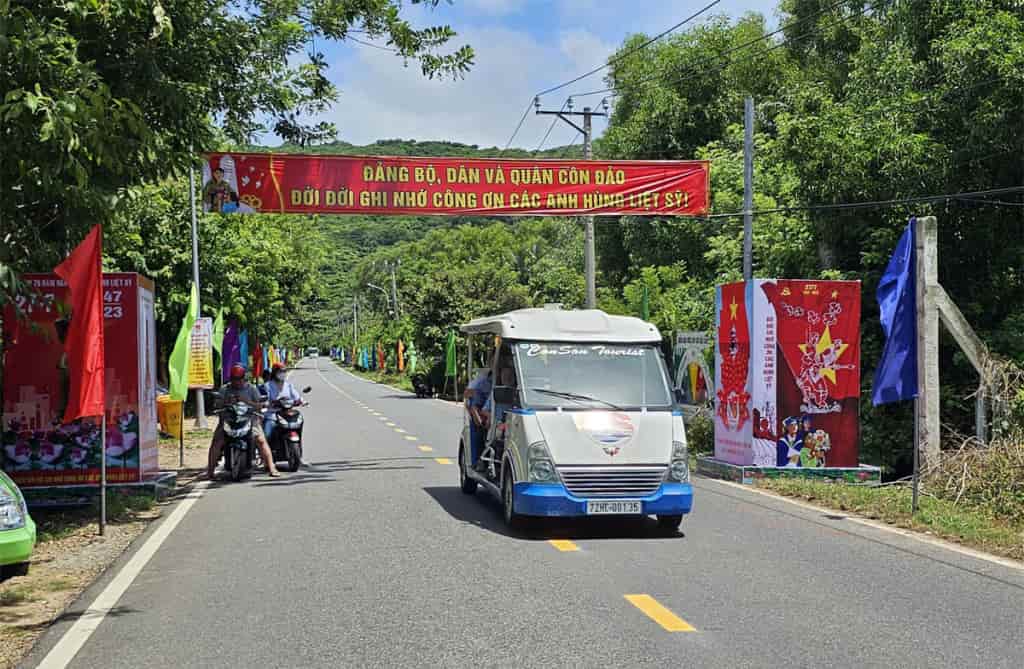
(17, 530)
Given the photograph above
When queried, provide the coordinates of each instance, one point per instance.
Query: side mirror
(505, 395)
(307, 389)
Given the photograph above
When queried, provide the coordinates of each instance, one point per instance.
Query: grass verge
(395, 380)
(891, 504)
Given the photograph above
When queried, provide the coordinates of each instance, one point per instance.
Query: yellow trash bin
(168, 413)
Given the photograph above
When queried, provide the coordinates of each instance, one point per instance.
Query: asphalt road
(371, 557)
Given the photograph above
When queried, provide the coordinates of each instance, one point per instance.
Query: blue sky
(522, 46)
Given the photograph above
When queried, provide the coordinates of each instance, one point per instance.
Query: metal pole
(980, 421)
(748, 189)
(394, 290)
(589, 265)
(181, 437)
(917, 454)
(103, 474)
(200, 406)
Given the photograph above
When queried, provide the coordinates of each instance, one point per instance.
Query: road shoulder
(921, 545)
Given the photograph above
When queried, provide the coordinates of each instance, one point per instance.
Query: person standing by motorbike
(278, 387)
(237, 389)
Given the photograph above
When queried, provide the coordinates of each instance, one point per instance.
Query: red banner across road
(308, 184)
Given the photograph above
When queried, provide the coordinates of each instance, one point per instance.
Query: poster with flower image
(38, 449)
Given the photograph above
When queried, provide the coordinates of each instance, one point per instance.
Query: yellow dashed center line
(399, 430)
(442, 461)
(563, 545)
(426, 449)
(411, 438)
(390, 424)
(659, 614)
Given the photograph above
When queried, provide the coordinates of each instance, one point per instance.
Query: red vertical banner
(819, 367)
(39, 447)
(732, 375)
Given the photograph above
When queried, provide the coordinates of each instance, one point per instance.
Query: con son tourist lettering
(534, 350)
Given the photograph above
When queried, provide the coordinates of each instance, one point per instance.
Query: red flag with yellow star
(819, 339)
(733, 405)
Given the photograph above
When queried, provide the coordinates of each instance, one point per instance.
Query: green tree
(101, 96)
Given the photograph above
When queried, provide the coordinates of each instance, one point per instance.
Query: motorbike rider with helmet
(237, 389)
(277, 388)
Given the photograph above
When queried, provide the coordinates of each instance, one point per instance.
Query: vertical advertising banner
(691, 375)
(764, 338)
(818, 371)
(200, 354)
(788, 373)
(733, 422)
(38, 448)
(149, 457)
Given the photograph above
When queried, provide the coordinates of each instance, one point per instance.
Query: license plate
(618, 506)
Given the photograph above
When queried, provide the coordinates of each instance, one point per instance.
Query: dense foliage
(101, 97)
(866, 102)
(105, 102)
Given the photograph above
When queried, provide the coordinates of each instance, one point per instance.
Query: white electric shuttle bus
(574, 415)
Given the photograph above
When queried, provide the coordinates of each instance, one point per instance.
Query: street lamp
(387, 296)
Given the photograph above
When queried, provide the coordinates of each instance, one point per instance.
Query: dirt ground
(70, 554)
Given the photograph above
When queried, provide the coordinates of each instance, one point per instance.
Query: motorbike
(239, 439)
(421, 386)
(286, 438)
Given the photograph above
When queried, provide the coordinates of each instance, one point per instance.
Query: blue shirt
(498, 414)
(276, 390)
(481, 388)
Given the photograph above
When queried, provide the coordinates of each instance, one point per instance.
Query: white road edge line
(76, 637)
(916, 536)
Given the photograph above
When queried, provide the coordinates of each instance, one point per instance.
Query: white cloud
(495, 7)
(382, 99)
(539, 45)
(585, 50)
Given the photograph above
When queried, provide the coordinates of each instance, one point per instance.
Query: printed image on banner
(764, 368)
(818, 383)
(200, 354)
(733, 420)
(39, 449)
(248, 183)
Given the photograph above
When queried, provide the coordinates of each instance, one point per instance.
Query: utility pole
(200, 405)
(355, 323)
(394, 286)
(589, 253)
(387, 296)
(748, 189)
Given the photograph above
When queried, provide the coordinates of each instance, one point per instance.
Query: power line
(516, 131)
(745, 45)
(371, 44)
(619, 57)
(612, 61)
(569, 146)
(554, 120)
(843, 206)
